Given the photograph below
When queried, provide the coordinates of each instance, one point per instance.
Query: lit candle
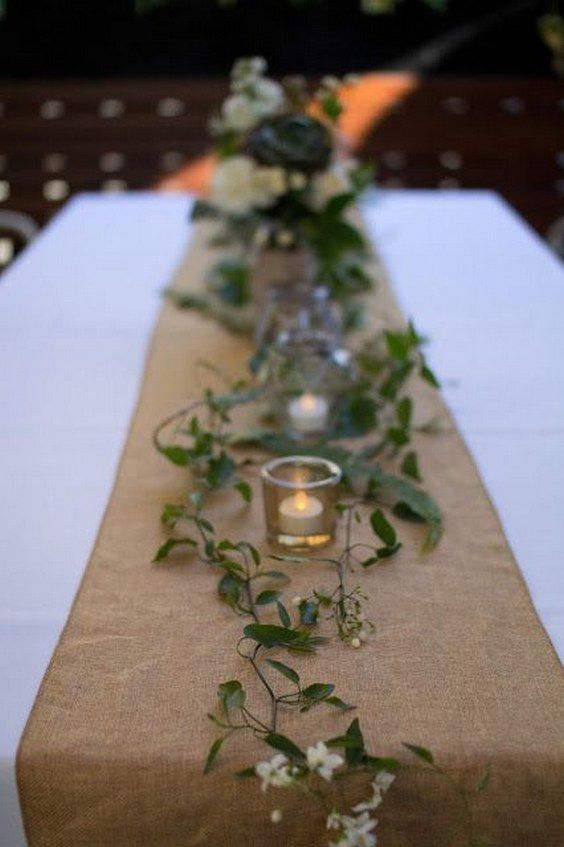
(308, 413)
(301, 514)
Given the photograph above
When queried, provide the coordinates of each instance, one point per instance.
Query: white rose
(233, 189)
(239, 113)
(328, 184)
(268, 96)
(270, 183)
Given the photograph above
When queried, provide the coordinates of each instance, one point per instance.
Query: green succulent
(293, 141)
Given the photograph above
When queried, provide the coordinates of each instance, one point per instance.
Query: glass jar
(295, 312)
(300, 493)
(306, 379)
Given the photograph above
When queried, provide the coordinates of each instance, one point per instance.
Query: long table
(75, 317)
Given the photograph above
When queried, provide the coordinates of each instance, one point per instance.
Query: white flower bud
(276, 815)
(285, 238)
(296, 600)
(330, 83)
(297, 181)
(355, 642)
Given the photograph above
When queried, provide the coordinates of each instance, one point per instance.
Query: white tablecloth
(76, 313)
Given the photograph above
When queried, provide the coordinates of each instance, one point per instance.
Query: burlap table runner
(113, 750)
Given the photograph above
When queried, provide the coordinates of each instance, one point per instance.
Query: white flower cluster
(239, 185)
(357, 830)
(279, 773)
(253, 97)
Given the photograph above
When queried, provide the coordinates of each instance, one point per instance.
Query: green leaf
(404, 411)
(410, 465)
(357, 416)
(417, 501)
(270, 635)
(232, 567)
(309, 612)
(285, 670)
(212, 755)
(372, 560)
(378, 763)
(277, 576)
(220, 470)
(244, 490)
(397, 436)
(170, 545)
(318, 691)
(354, 754)
(483, 779)
(245, 773)
(285, 745)
(266, 597)
(331, 107)
(338, 203)
(229, 589)
(231, 694)
(295, 560)
(177, 455)
(427, 374)
(340, 704)
(171, 514)
(386, 552)
(255, 555)
(399, 344)
(383, 528)
(420, 752)
(285, 618)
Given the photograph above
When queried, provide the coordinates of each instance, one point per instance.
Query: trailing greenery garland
(206, 442)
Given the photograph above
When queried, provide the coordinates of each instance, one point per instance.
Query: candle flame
(300, 501)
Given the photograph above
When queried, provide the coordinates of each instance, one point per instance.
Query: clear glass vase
(296, 312)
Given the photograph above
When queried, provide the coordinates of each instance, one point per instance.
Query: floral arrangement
(283, 181)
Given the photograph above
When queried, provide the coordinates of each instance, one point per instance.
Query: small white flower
(239, 113)
(296, 600)
(358, 831)
(268, 97)
(249, 68)
(297, 181)
(276, 815)
(379, 787)
(275, 772)
(321, 761)
(285, 238)
(334, 820)
(328, 184)
(384, 779)
(261, 236)
(270, 184)
(232, 187)
(330, 83)
(356, 642)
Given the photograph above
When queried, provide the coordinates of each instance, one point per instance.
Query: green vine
(203, 438)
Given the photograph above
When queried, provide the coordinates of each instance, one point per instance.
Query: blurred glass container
(294, 312)
(306, 378)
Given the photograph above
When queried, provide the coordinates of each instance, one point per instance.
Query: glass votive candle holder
(306, 381)
(300, 493)
(294, 312)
